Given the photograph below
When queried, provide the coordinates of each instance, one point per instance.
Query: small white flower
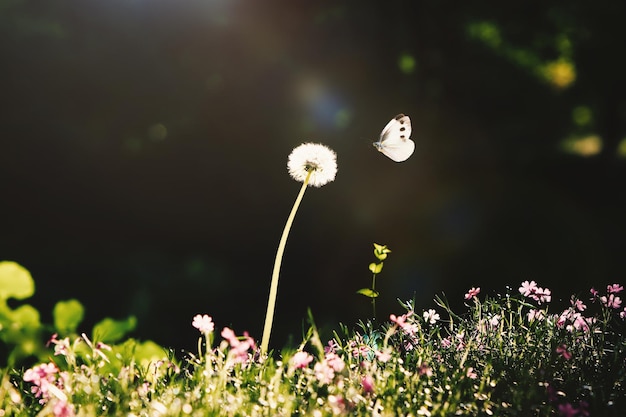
(431, 316)
(318, 159)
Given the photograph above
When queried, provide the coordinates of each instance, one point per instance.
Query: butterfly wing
(395, 142)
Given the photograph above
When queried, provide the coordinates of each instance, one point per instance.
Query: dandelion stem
(271, 303)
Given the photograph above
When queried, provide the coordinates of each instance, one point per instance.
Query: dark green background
(144, 148)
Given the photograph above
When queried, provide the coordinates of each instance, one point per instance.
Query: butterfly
(394, 140)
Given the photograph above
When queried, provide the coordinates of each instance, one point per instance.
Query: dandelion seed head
(315, 158)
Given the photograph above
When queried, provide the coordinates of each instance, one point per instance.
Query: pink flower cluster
(571, 319)
(531, 290)
(239, 346)
(42, 376)
(408, 327)
(472, 293)
(610, 300)
(48, 383)
(325, 370)
(301, 360)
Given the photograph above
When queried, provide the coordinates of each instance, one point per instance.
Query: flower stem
(374, 298)
(271, 303)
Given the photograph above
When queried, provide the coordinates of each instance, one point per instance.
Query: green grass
(505, 355)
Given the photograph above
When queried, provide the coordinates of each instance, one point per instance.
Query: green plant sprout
(381, 252)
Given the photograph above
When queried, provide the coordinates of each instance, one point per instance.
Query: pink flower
(447, 342)
(332, 346)
(408, 328)
(543, 295)
(229, 335)
(424, 369)
(594, 292)
(612, 301)
(238, 346)
(368, 384)
(335, 362)
(473, 292)
(63, 409)
(562, 350)
(301, 360)
(61, 347)
(470, 373)
(578, 305)
(528, 288)
(615, 288)
(41, 376)
(323, 372)
(204, 323)
(535, 315)
(622, 314)
(383, 356)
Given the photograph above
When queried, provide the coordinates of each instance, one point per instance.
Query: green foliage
(368, 292)
(15, 282)
(67, 316)
(23, 334)
(110, 330)
(20, 327)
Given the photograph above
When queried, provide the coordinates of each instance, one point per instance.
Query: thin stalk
(374, 298)
(271, 303)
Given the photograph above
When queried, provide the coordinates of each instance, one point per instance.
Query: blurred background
(144, 146)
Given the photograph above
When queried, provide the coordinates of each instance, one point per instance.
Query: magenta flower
(63, 409)
(612, 301)
(562, 350)
(301, 360)
(473, 292)
(615, 288)
(41, 376)
(204, 323)
(368, 384)
(567, 410)
(528, 288)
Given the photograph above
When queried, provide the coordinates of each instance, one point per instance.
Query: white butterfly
(394, 140)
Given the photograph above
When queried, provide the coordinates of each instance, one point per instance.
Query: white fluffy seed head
(316, 158)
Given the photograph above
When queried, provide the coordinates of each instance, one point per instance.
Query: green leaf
(67, 316)
(149, 352)
(26, 316)
(368, 292)
(110, 331)
(381, 251)
(15, 281)
(376, 268)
